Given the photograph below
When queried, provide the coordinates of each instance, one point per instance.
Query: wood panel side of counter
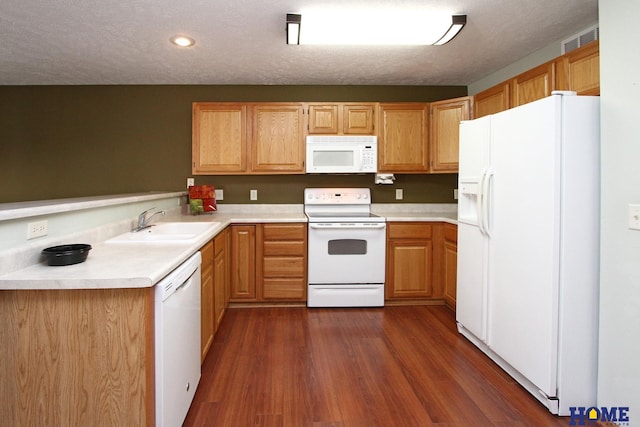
(77, 357)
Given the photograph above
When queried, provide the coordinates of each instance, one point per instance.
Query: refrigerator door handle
(479, 201)
(486, 188)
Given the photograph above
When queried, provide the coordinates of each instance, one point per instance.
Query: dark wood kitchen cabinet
(409, 272)
(341, 118)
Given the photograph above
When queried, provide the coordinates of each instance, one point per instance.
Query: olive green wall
(74, 141)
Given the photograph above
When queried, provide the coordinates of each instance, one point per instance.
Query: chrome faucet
(143, 220)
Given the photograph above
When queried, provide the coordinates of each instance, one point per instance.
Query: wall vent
(580, 39)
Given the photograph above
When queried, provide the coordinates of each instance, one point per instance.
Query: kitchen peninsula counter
(134, 265)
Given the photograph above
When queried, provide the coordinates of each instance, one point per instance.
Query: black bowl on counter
(67, 254)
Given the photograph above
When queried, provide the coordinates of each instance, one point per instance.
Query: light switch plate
(253, 194)
(634, 217)
(399, 194)
(219, 194)
(190, 182)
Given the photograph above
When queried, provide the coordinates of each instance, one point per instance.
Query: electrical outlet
(253, 194)
(399, 194)
(37, 229)
(190, 182)
(219, 194)
(455, 194)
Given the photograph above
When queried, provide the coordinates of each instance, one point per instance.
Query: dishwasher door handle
(186, 282)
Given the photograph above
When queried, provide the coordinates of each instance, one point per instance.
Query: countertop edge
(16, 210)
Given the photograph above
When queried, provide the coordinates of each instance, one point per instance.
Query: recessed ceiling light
(183, 41)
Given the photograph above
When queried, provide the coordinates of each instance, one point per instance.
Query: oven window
(333, 158)
(348, 247)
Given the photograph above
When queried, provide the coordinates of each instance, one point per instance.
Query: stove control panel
(337, 196)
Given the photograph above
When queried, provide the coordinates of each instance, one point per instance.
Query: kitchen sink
(167, 232)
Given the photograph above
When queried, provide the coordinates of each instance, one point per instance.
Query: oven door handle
(349, 227)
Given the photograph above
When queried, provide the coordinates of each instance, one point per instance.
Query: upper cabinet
(277, 138)
(492, 100)
(579, 70)
(341, 118)
(532, 85)
(219, 138)
(403, 138)
(445, 131)
(260, 138)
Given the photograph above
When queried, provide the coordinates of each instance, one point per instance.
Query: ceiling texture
(112, 42)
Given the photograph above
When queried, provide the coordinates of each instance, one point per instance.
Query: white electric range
(346, 248)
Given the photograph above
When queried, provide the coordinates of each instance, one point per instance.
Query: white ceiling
(81, 42)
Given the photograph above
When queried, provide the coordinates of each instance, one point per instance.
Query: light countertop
(136, 265)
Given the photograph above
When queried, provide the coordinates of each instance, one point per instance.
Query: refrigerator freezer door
(524, 245)
(471, 299)
(473, 163)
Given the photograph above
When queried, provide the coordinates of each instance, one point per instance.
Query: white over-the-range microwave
(342, 154)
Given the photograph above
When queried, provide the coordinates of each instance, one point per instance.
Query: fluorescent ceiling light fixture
(182, 41)
(373, 27)
(293, 28)
(457, 22)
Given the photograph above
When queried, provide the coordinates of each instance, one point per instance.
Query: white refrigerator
(528, 244)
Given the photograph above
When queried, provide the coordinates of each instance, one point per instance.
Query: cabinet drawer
(283, 267)
(284, 231)
(284, 288)
(409, 230)
(291, 248)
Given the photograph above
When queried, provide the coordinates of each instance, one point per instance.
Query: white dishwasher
(177, 345)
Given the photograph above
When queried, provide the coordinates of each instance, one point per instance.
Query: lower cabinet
(421, 262)
(220, 277)
(207, 323)
(74, 357)
(243, 262)
(214, 288)
(409, 260)
(450, 263)
(282, 272)
(269, 262)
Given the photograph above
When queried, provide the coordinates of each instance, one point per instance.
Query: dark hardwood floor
(393, 366)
